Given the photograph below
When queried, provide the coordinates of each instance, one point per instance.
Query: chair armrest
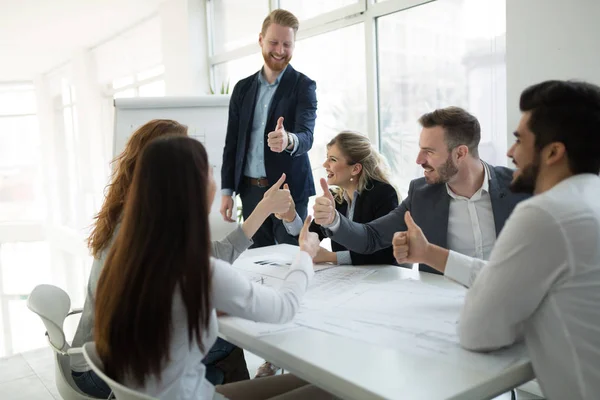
(75, 350)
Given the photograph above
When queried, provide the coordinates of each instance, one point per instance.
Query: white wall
(549, 39)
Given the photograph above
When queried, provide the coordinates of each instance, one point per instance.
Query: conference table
(351, 367)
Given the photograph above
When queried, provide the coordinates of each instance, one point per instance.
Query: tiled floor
(30, 376)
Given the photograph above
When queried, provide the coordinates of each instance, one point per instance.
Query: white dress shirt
(471, 226)
(542, 281)
(182, 376)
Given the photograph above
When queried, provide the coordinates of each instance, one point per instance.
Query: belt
(260, 182)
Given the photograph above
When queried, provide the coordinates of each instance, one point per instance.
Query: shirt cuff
(335, 225)
(343, 257)
(459, 268)
(293, 228)
(226, 192)
(292, 151)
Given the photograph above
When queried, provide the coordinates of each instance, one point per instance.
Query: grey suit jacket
(429, 206)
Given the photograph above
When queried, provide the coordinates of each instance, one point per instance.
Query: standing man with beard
(542, 281)
(461, 203)
(270, 131)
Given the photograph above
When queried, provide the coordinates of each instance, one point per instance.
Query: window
(453, 54)
(229, 73)
(146, 83)
(20, 155)
(305, 9)
(425, 55)
(341, 85)
(236, 23)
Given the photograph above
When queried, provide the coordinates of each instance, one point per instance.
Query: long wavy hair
(109, 215)
(163, 245)
(357, 149)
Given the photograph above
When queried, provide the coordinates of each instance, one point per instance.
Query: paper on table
(263, 329)
(411, 316)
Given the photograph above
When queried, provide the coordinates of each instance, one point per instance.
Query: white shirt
(183, 376)
(543, 281)
(471, 226)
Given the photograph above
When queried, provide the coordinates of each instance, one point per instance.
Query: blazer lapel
(247, 109)
(285, 87)
(437, 231)
(500, 201)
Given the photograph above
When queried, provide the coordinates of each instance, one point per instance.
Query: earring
(351, 179)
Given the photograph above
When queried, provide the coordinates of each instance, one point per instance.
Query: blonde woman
(362, 192)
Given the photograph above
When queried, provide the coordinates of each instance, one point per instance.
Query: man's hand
(290, 214)
(324, 255)
(277, 140)
(410, 246)
(227, 208)
(278, 200)
(309, 241)
(324, 208)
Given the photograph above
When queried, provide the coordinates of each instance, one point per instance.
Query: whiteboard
(206, 118)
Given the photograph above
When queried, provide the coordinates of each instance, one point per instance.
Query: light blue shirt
(343, 257)
(255, 158)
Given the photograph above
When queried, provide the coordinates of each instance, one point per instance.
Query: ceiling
(38, 35)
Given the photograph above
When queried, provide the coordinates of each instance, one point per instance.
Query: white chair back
(52, 305)
(120, 391)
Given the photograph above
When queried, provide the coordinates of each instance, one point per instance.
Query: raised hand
(410, 246)
(278, 200)
(324, 208)
(308, 241)
(290, 214)
(277, 140)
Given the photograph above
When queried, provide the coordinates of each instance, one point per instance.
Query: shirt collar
(485, 187)
(263, 81)
(347, 198)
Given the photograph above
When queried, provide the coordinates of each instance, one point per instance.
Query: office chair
(121, 392)
(52, 305)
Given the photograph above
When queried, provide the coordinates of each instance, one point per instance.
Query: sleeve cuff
(292, 151)
(335, 225)
(238, 240)
(343, 257)
(460, 269)
(226, 192)
(302, 264)
(293, 228)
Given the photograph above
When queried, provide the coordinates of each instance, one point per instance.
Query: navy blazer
(377, 200)
(429, 206)
(296, 101)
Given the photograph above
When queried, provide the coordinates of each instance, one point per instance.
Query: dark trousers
(272, 230)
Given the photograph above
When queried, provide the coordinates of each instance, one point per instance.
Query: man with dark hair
(543, 276)
(462, 202)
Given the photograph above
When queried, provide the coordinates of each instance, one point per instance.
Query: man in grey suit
(460, 204)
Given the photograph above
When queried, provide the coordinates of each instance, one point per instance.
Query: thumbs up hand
(288, 215)
(324, 208)
(277, 140)
(411, 245)
(279, 200)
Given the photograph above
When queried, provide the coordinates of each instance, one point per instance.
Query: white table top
(355, 369)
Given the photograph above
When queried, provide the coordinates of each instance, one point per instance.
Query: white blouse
(183, 376)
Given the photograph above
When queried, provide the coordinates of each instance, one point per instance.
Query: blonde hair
(357, 149)
(110, 213)
(283, 18)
